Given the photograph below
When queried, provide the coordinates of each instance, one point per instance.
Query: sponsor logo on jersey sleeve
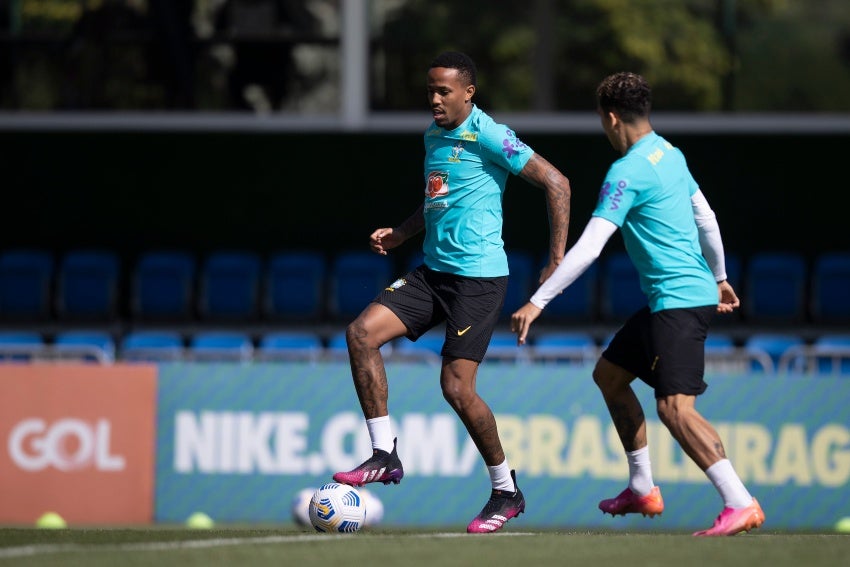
(512, 145)
(613, 194)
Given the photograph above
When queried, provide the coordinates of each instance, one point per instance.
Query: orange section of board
(78, 440)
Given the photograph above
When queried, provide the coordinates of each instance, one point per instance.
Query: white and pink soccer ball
(336, 507)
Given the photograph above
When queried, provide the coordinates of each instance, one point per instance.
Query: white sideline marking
(28, 550)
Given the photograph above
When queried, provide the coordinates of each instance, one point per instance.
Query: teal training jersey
(466, 170)
(647, 193)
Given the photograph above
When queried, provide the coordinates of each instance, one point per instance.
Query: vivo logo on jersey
(606, 192)
(66, 444)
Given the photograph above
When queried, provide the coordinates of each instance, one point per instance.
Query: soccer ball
(374, 508)
(301, 506)
(337, 508)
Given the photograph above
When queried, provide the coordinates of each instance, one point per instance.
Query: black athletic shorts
(665, 349)
(470, 307)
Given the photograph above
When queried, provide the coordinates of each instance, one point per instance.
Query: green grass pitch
(165, 547)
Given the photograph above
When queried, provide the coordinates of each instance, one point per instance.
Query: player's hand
(521, 320)
(382, 240)
(547, 271)
(728, 299)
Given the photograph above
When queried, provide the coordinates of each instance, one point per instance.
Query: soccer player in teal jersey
(462, 282)
(466, 170)
(672, 236)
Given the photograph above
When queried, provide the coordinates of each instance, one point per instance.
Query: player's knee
(666, 415)
(457, 394)
(605, 379)
(450, 395)
(671, 413)
(599, 377)
(356, 336)
(611, 378)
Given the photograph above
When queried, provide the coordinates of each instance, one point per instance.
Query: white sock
(640, 471)
(381, 433)
(728, 484)
(500, 477)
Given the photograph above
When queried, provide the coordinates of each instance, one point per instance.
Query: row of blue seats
(760, 352)
(307, 286)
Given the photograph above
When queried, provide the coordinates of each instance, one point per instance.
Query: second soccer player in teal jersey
(462, 283)
(672, 236)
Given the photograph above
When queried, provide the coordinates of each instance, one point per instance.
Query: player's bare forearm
(539, 172)
(413, 224)
(558, 207)
(385, 239)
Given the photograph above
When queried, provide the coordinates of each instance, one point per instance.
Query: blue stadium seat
(734, 275)
(830, 282)
(290, 345)
(719, 343)
(426, 348)
(579, 303)
(767, 349)
(88, 285)
(722, 355)
(152, 346)
(503, 348)
(733, 269)
(356, 277)
(521, 282)
(295, 286)
(163, 286)
(775, 288)
(337, 348)
(565, 347)
(85, 346)
(831, 354)
(221, 346)
(621, 295)
(415, 260)
(26, 284)
(20, 346)
(229, 286)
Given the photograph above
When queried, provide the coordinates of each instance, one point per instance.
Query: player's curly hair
(627, 94)
(457, 60)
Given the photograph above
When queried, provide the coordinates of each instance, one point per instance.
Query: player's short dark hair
(627, 94)
(460, 61)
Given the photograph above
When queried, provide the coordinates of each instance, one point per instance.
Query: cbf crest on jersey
(457, 149)
(438, 184)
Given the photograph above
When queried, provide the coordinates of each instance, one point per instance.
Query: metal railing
(797, 360)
